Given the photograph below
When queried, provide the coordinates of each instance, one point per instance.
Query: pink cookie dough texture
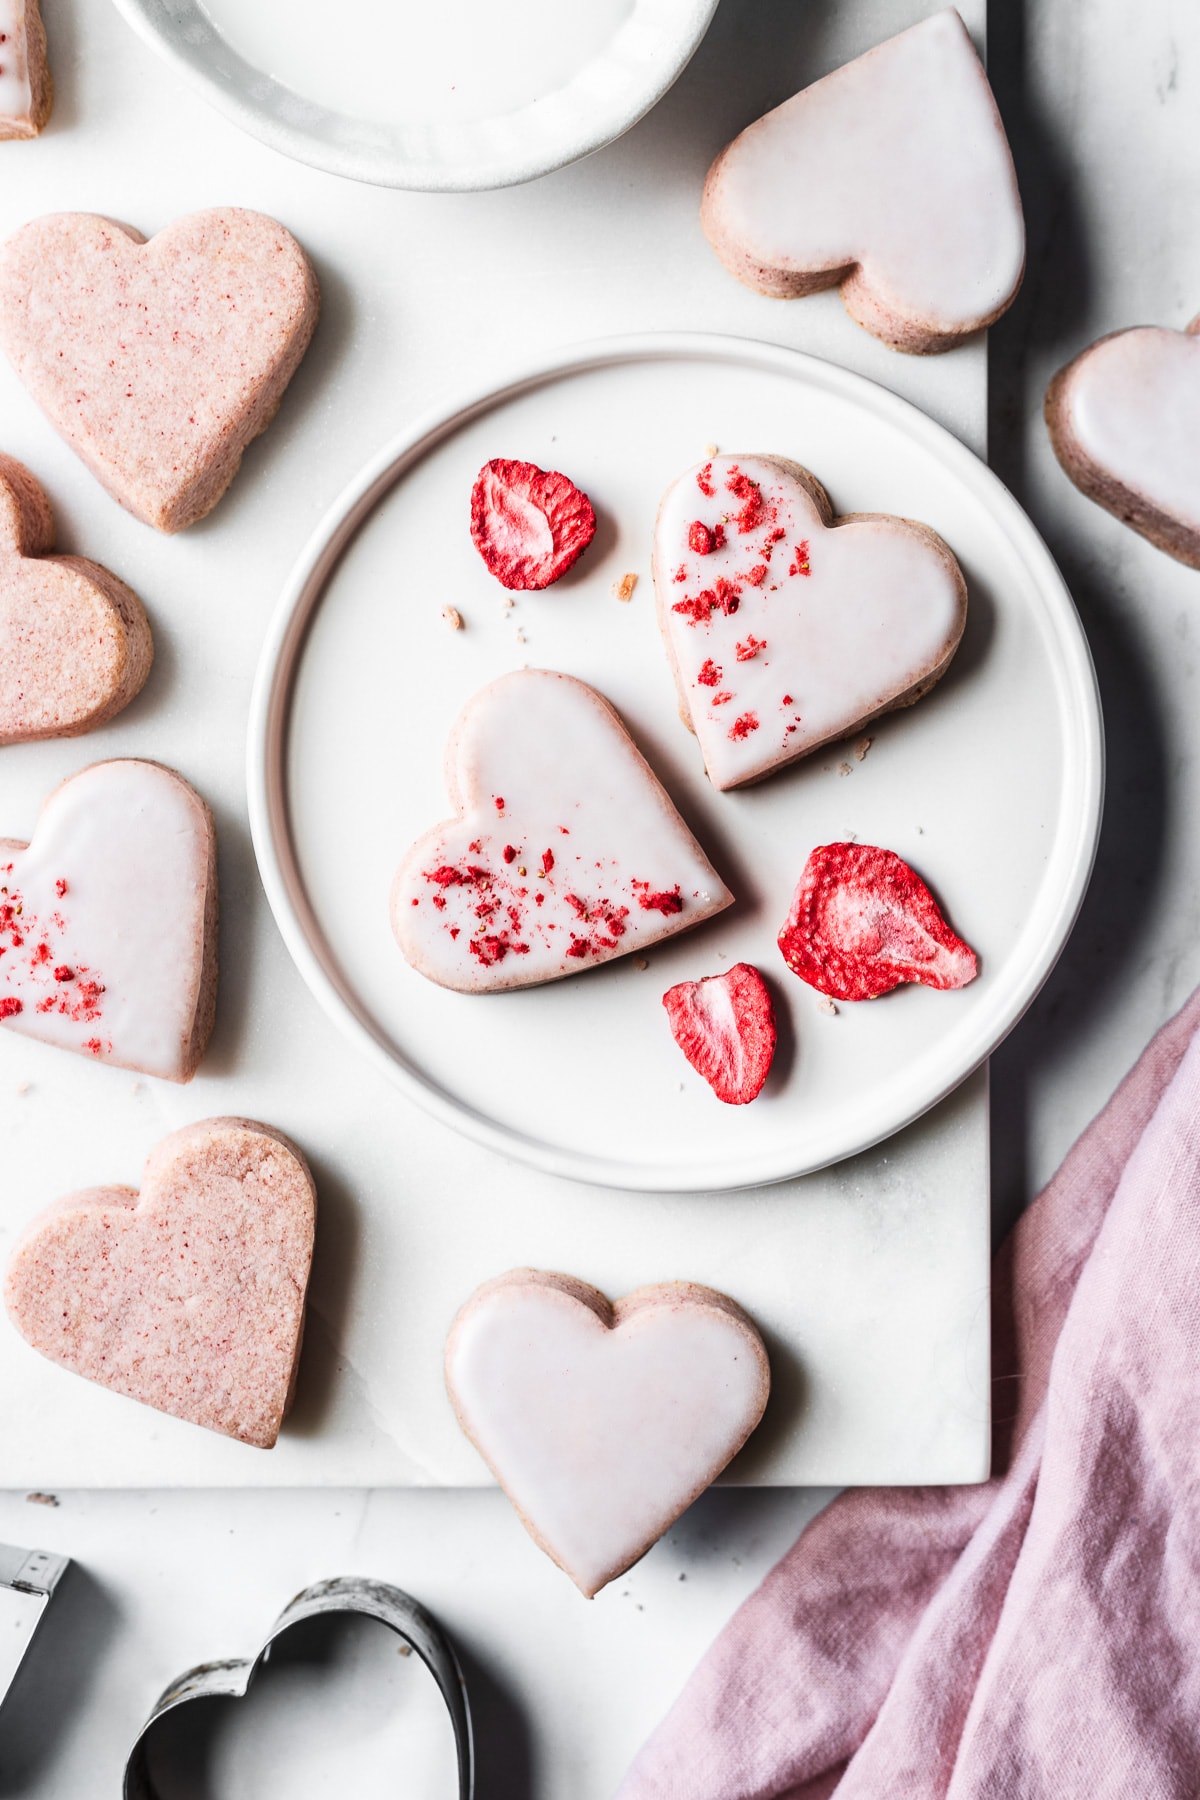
(786, 629)
(187, 1297)
(1124, 419)
(108, 921)
(602, 1423)
(565, 850)
(75, 644)
(26, 89)
(158, 361)
(892, 179)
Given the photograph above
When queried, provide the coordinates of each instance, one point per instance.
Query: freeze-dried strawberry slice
(862, 922)
(725, 1026)
(529, 524)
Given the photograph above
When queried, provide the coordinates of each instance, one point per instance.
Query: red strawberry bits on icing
(862, 922)
(725, 1026)
(528, 524)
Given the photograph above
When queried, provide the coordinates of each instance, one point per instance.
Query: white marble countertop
(1101, 107)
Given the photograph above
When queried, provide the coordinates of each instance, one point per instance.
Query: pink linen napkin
(1036, 1637)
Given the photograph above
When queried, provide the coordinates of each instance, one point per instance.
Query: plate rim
(183, 34)
(266, 737)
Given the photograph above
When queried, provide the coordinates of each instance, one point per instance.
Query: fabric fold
(1036, 1637)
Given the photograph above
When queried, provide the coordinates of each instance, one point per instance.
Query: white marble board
(876, 1303)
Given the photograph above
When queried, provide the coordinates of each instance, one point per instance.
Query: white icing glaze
(1134, 409)
(566, 844)
(841, 621)
(602, 1435)
(128, 842)
(896, 162)
(16, 96)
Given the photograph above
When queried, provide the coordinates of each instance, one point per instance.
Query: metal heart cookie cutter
(375, 1600)
(28, 1579)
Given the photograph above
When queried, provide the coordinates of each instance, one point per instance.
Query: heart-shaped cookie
(602, 1423)
(1124, 420)
(188, 1297)
(892, 178)
(786, 631)
(565, 852)
(158, 361)
(108, 920)
(75, 644)
(26, 90)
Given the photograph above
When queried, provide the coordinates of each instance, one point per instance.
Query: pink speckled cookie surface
(188, 1297)
(75, 644)
(158, 361)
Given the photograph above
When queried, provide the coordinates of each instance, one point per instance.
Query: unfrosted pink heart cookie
(158, 361)
(892, 178)
(108, 920)
(75, 644)
(565, 852)
(26, 90)
(602, 1423)
(785, 630)
(1124, 419)
(189, 1296)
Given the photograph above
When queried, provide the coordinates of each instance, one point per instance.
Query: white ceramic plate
(451, 95)
(991, 787)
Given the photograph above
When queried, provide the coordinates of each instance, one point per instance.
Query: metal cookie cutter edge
(32, 1575)
(376, 1600)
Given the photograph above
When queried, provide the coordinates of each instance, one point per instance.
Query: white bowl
(525, 99)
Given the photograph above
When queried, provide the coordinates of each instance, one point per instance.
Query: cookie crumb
(509, 603)
(24, 1087)
(521, 639)
(623, 589)
(862, 746)
(639, 962)
(825, 1005)
(711, 450)
(41, 1499)
(136, 1087)
(453, 617)
(845, 769)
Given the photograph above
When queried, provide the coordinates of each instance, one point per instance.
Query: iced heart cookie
(108, 920)
(862, 922)
(26, 90)
(158, 361)
(785, 630)
(565, 851)
(602, 1423)
(75, 644)
(891, 178)
(189, 1296)
(1124, 419)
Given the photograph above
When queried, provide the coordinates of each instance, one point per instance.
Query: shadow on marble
(53, 1683)
(335, 1266)
(1044, 328)
(786, 1407)
(503, 1739)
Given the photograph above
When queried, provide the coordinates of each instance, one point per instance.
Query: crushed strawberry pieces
(725, 1026)
(862, 922)
(528, 524)
(30, 959)
(500, 907)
